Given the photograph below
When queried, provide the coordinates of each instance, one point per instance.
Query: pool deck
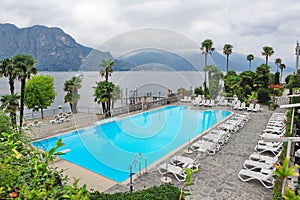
(217, 178)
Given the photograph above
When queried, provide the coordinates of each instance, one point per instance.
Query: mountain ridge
(56, 50)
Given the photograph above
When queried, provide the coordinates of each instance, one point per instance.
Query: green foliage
(106, 70)
(5, 124)
(290, 194)
(24, 66)
(10, 104)
(71, 87)
(103, 94)
(268, 52)
(198, 91)
(263, 95)
(262, 78)
(163, 192)
(214, 77)
(40, 92)
(26, 174)
(276, 78)
(188, 182)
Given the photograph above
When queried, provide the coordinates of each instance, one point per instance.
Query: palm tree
(7, 70)
(227, 50)
(107, 68)
(285, 171)
(72, 97)
(24, 66)
(10, 104)
(250, 57)
(103, 94)
(278, 62)
(282, 67)
(268, 52)
(206, 48)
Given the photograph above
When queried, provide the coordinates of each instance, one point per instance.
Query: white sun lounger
(215, 138)
(256, 108)
(205, 146)
(262, 158)
(268, 148)
(225, 134)
(266, 180)
(251, 164)
(270, 144)
(184, 162)
(178, 172)
(251, 107)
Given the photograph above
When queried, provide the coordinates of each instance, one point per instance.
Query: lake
(142, 83)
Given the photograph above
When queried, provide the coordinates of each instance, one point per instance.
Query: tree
(7, 70)
(206, 48)
(103, 94)
(285, 171)
(282, 67)
(214, 77)
(250, 57)
(40, 93)
(24, 66)
(268, 52)
(246, 83)
(106, 68)
(71, 87)
(116, 94)
(5, 124)
(10, 104)
(277, 62)
(227, 50)
(231, 82)
(262, 78)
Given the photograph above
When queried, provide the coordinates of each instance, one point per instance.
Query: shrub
(166, 191)
(263, 95)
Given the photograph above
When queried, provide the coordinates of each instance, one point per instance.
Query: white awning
(294, 105)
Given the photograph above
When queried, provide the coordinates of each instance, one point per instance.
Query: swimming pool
(108, 149)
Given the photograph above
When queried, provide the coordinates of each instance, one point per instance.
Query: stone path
(218, 178)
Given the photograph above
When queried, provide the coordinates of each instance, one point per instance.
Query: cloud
(246, 25)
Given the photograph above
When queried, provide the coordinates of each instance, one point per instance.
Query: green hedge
(163, 192)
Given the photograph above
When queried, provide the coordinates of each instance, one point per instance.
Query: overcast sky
(247, 25)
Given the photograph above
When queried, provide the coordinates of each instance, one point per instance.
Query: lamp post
(59, 109)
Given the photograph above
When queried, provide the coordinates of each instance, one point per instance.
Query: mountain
(154, 60)
(53, 49)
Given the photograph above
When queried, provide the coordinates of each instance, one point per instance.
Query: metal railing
(98, 111)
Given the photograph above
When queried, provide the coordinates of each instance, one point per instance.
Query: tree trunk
(13, 117)
(71, 106)
(23, 82)
(42, 113)
(11, 85)
(249, 65)
(227, 63)
(103, 108)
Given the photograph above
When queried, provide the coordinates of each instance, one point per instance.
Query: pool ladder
(136, 162)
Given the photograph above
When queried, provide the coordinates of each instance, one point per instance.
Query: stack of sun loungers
(260, 165)
(212, 141)
(177, 165)
(208, 144)
(61, 117)
(235, 123)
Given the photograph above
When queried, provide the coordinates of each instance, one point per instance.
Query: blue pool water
(108, 149)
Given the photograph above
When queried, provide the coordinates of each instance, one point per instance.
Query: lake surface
(141, 82)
